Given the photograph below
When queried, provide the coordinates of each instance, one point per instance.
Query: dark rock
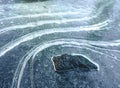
(67, 62)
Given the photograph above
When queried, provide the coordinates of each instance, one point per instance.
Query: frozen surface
(32, 33)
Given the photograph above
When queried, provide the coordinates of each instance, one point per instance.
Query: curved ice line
(40, 23)
(111, 56)
(40, 33)
(41, 15)
(105, 49)
(107, 44)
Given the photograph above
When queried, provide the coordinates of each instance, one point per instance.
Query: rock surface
(67, 62)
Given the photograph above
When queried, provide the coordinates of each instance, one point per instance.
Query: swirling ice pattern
(102, 48)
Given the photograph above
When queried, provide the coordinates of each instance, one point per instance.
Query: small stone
(67, 62)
